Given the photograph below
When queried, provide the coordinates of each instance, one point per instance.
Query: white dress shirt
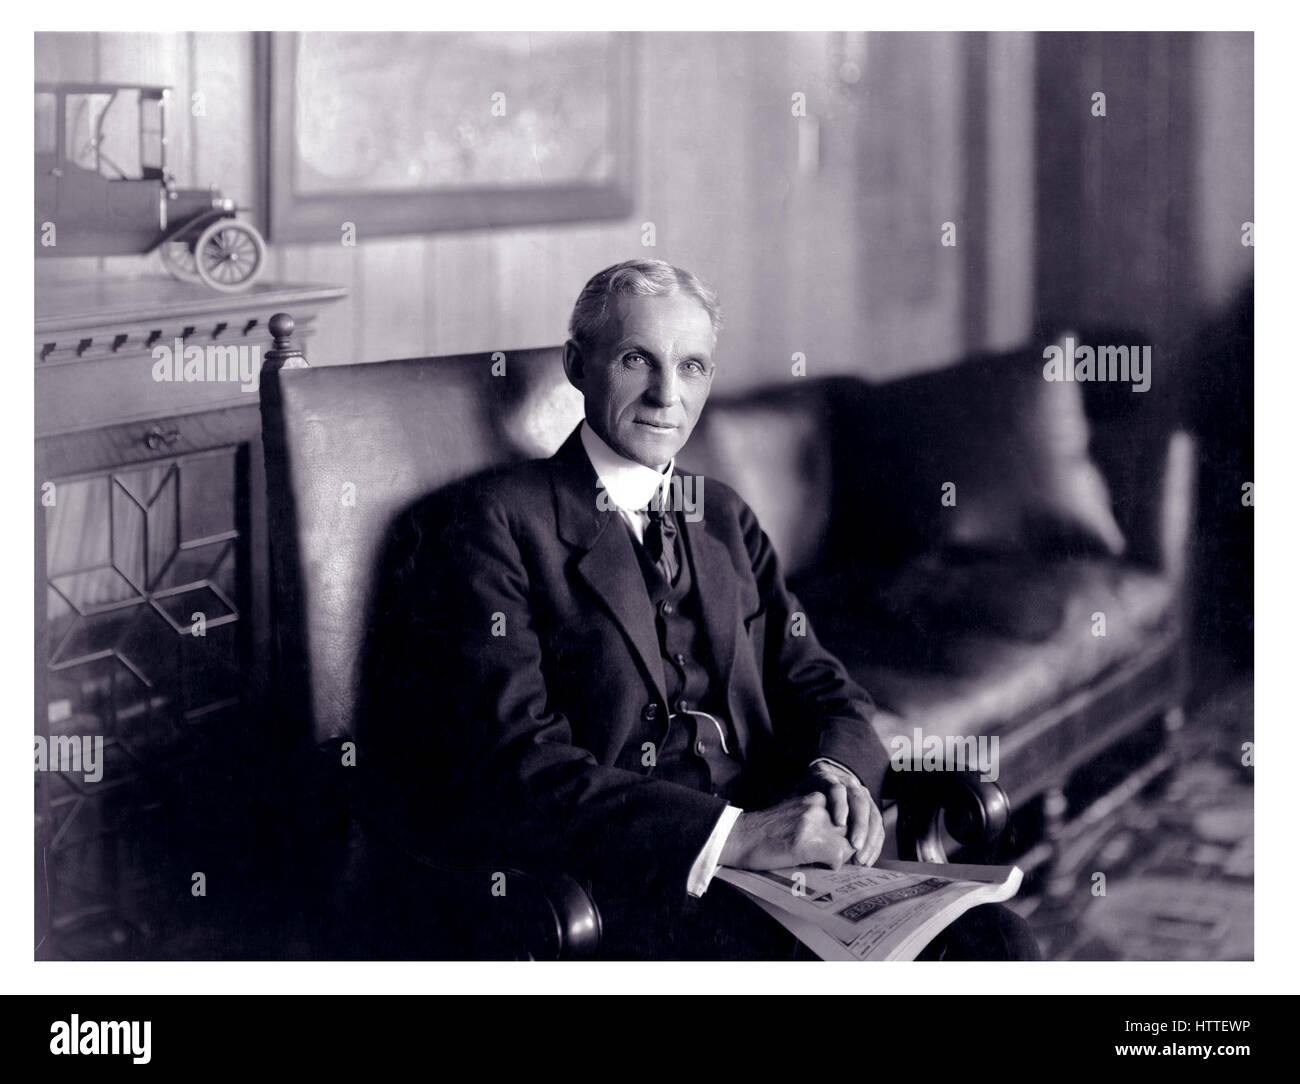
(630, 486)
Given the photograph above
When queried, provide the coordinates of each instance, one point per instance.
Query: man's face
(645, 385)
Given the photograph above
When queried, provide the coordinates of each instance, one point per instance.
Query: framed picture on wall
(416, 133)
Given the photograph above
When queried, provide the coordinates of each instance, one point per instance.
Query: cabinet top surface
(94, 300)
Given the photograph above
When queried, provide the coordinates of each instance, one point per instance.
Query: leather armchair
(348, 449)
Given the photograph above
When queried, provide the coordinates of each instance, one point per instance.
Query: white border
(1275, 969)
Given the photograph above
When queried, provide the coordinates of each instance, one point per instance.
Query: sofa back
(982, 456)
(773, 447)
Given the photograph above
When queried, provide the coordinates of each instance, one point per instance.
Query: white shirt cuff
(706, 865)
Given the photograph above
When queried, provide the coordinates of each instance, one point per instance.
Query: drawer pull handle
(156, 438)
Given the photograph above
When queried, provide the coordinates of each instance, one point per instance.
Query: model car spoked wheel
(178, 258)
(229, 255)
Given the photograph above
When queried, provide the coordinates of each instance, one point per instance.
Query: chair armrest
(540, 914)
(975, 813)
(547, 915)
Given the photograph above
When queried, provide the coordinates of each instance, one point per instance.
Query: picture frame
(447, 153)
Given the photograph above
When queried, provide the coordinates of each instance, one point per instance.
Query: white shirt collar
(630, 485)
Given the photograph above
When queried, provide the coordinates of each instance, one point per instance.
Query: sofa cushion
(1014, 595)
(986, 456)
(774, 453)
(955, 679)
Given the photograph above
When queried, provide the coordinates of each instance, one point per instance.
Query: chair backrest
(347, 449)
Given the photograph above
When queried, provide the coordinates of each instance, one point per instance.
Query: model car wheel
(178, 259)
(229, 255)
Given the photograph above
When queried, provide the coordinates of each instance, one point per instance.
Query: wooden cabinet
(152, 613)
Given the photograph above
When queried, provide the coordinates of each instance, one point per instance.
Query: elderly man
(622, 686)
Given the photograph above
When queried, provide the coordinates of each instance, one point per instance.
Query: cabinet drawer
(138, 442)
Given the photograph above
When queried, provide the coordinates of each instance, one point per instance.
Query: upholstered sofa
(989, 552)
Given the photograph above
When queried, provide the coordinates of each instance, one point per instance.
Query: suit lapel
(609, 565)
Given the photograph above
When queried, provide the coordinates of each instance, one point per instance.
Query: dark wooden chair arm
(974, 811)
(543, 915)
(431, 902)
(539, 914)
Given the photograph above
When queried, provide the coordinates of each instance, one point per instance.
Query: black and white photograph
(620, 496)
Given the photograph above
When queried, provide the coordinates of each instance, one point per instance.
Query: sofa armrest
(975, 813)
(1177, 505)
(1150, 470)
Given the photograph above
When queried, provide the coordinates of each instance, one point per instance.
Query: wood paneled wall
(1142, 208)
(821, 233)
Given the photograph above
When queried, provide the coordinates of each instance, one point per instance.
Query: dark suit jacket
(543, 680)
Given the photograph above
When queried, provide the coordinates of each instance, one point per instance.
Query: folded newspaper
(889, 911)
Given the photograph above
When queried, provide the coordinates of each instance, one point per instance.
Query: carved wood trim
(90, 321)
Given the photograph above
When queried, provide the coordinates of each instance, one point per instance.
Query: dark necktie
(661, 542)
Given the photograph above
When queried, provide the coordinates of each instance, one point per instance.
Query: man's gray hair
(594, 309)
